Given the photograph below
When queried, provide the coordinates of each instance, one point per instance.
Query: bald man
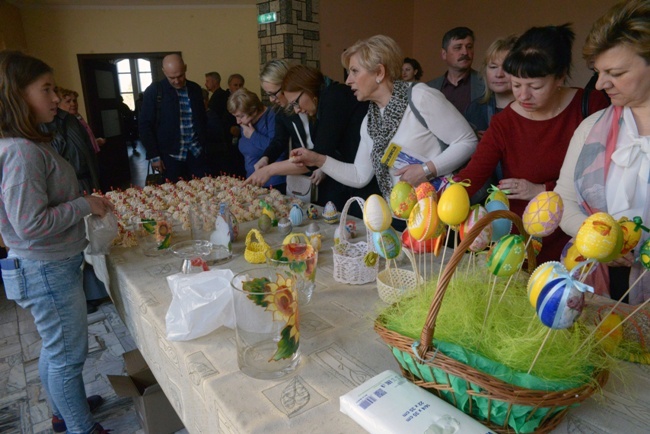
(172, 123)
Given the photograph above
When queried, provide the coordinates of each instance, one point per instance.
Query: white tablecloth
(339, 349)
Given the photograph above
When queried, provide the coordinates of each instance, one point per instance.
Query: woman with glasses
(336, 118)
(417, 118)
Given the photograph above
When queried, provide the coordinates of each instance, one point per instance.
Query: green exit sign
(270, 17)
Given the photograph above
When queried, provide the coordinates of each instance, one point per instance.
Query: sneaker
(99, 430)
(94, 401)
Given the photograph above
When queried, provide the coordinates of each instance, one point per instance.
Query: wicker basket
(255, 251)
(349, 264)
(392, 283)
(443, 371)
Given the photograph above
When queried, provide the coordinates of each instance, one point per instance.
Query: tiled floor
(23, 406)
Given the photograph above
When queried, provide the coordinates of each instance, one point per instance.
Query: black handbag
(153, 177)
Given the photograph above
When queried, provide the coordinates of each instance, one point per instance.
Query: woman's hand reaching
(520, 188)
(99, 205)
(305, 157)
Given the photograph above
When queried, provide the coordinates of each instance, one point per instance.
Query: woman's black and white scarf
(382, 128)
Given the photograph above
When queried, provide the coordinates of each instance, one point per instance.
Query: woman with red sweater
(530, 137)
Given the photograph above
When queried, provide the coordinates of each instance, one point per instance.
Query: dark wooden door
(102, 96)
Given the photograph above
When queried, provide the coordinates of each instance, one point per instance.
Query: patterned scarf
(590, 181)
(382, 128)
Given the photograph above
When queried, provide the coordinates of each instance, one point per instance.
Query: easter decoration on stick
(453, 209)
(632, 231)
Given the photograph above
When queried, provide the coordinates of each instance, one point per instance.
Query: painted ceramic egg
(597, 237)
(631, 234)
(500, 227)
(560, 303)
(330, 213)
(644, 254)
(285, 226)
(312, 212)
(543, 214)
(423, 221)
(295, 215)
(312, 229)
(341, 235)
(402, 199)
(387, 243)
(426, 189)
(376, 213)
(476, 212)
(507, 255)
(453, 206)
(496, 194)
(542, 274)
(264, 223)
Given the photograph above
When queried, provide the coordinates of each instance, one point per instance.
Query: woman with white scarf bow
(607, 166)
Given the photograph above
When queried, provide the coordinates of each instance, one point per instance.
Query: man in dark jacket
(172, 123)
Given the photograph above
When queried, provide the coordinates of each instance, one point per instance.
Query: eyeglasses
(296, 102)
(273, 95)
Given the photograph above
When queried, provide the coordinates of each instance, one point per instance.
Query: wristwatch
(427, 171)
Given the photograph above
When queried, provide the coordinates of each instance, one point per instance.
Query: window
(134, 76)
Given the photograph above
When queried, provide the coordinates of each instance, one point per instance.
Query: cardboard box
(156, 414)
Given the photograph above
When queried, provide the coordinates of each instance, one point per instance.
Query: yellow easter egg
(613, 339)
(543, 214)
(597, 237)
(376, 213)
(453, 206)
(541, 275)
(423, 221)
(403, 199)
(631, 234)
(618, 247)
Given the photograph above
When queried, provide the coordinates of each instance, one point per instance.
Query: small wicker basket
(255, 251)
(444, 371)
(349, 264)
(392, 283)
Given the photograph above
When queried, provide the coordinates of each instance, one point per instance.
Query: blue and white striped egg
(560, 303)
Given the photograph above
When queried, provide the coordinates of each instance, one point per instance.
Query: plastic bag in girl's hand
(201, 303)
(100, 231)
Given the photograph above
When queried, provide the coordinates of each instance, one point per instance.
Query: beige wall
(12, 35)
(418, 26)
(211, 38)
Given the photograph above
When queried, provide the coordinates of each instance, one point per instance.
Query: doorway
(111, 84)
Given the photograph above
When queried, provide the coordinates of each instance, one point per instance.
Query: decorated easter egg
(500, 227)
(541, 275)
(476, 212)
(264, 223)
(575, 262)
(453, 206)
(497, 194)
(268, 210)
(560, 303)
(423, 221)
(312, 212)
(295, 215)
(426, 189)
(631, 234)
(543, 214)
(644, 254)
(330, 213)
(285, 226)
(507, 255)
(387, 243)
(402, 199)
(416, 246)
(312, 229)
(597, 237)
(376, 213)
(536, 242)
(618, 247)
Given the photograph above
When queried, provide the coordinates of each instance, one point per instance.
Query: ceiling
(130, 3)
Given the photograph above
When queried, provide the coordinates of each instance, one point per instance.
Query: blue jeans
(53, 292)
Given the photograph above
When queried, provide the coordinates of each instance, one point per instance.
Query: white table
(339, 349)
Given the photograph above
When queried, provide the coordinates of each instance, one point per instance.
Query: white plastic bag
(100, 231)
(201, 303)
